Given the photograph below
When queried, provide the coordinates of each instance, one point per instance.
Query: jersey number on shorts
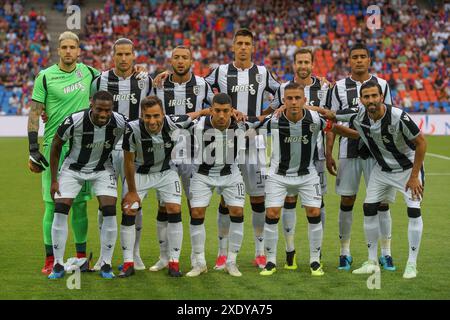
(240, 189)
(317, 186)
(177, 187)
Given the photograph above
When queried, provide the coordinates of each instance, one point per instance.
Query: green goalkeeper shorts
(85, 192)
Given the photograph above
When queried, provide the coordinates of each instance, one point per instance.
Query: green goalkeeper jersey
(62, 93)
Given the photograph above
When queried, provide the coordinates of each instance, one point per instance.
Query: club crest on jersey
(391, 129)
(141, 84)
(258, 78)
(79, 74)
(313, 127)
(321, 94)
(196, 90)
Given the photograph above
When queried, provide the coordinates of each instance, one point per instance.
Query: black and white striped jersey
(293, 144)
(315, 95)
(245, 87)
(216, 151)
(127, 92)
(90, 145)
(388, 139)
(153, 152)
(345, 94)
(186, 97)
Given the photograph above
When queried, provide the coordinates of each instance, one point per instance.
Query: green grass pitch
(22, 252)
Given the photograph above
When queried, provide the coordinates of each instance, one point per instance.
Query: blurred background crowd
(410, 50)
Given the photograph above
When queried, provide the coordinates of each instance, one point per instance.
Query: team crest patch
(79, 74)
(196, 90)
(141, 84)
(313, 127)
(258, 78)
(321, 94)
(117, 132)
(391, 129)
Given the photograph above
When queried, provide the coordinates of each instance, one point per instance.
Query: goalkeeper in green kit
(59, 91)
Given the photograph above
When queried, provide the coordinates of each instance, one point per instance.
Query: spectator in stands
(421, 108)
(407, 102)
(14, 104)
(432, 109)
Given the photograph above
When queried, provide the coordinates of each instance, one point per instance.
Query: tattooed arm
(37, 161)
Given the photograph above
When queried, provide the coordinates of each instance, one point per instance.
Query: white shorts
(320, 168)
(307, 186)
(349, 175)
(103, 182)
(166, 183)
(383, 187)
(231, 187)
(185, 172)
(253, 179)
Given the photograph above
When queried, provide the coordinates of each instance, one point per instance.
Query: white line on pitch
(437, 156)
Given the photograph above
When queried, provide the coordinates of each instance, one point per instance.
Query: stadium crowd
(410, 50)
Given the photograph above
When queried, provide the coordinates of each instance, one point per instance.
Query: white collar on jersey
(304, 114)
(180, 84)
(121, 78)
(239, 69)
(371, 76)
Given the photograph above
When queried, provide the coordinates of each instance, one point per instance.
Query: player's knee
(348, 201)
(62, 208)
(257, 199)
(370, 209)
(258, 207)
(174, 217)
(172, 208)
(236, 211)
(223, 209)
(198, 213)
(162, 216)
(109, 211)
(290, 203)
(128, 220)
(273, 213)
(312, 212)
(383, 207)
(414, 212)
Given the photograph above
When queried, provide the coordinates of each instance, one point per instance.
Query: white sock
(59, 237)
(372, 232)
(345, 221)
(161, 229)
(109, 237)
(127, 240)
(198, 237)
(385, 232)
(175, 237)
(415, 228)
(288, 221)
(138, 227)
(315, 235)
(223, 228)
(236, 236)
(100, 222)
(271, 241)
(258, 219)
(323, 216)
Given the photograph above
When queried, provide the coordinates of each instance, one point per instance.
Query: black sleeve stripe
(409, 123)
(44, 82)
(92, 73)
